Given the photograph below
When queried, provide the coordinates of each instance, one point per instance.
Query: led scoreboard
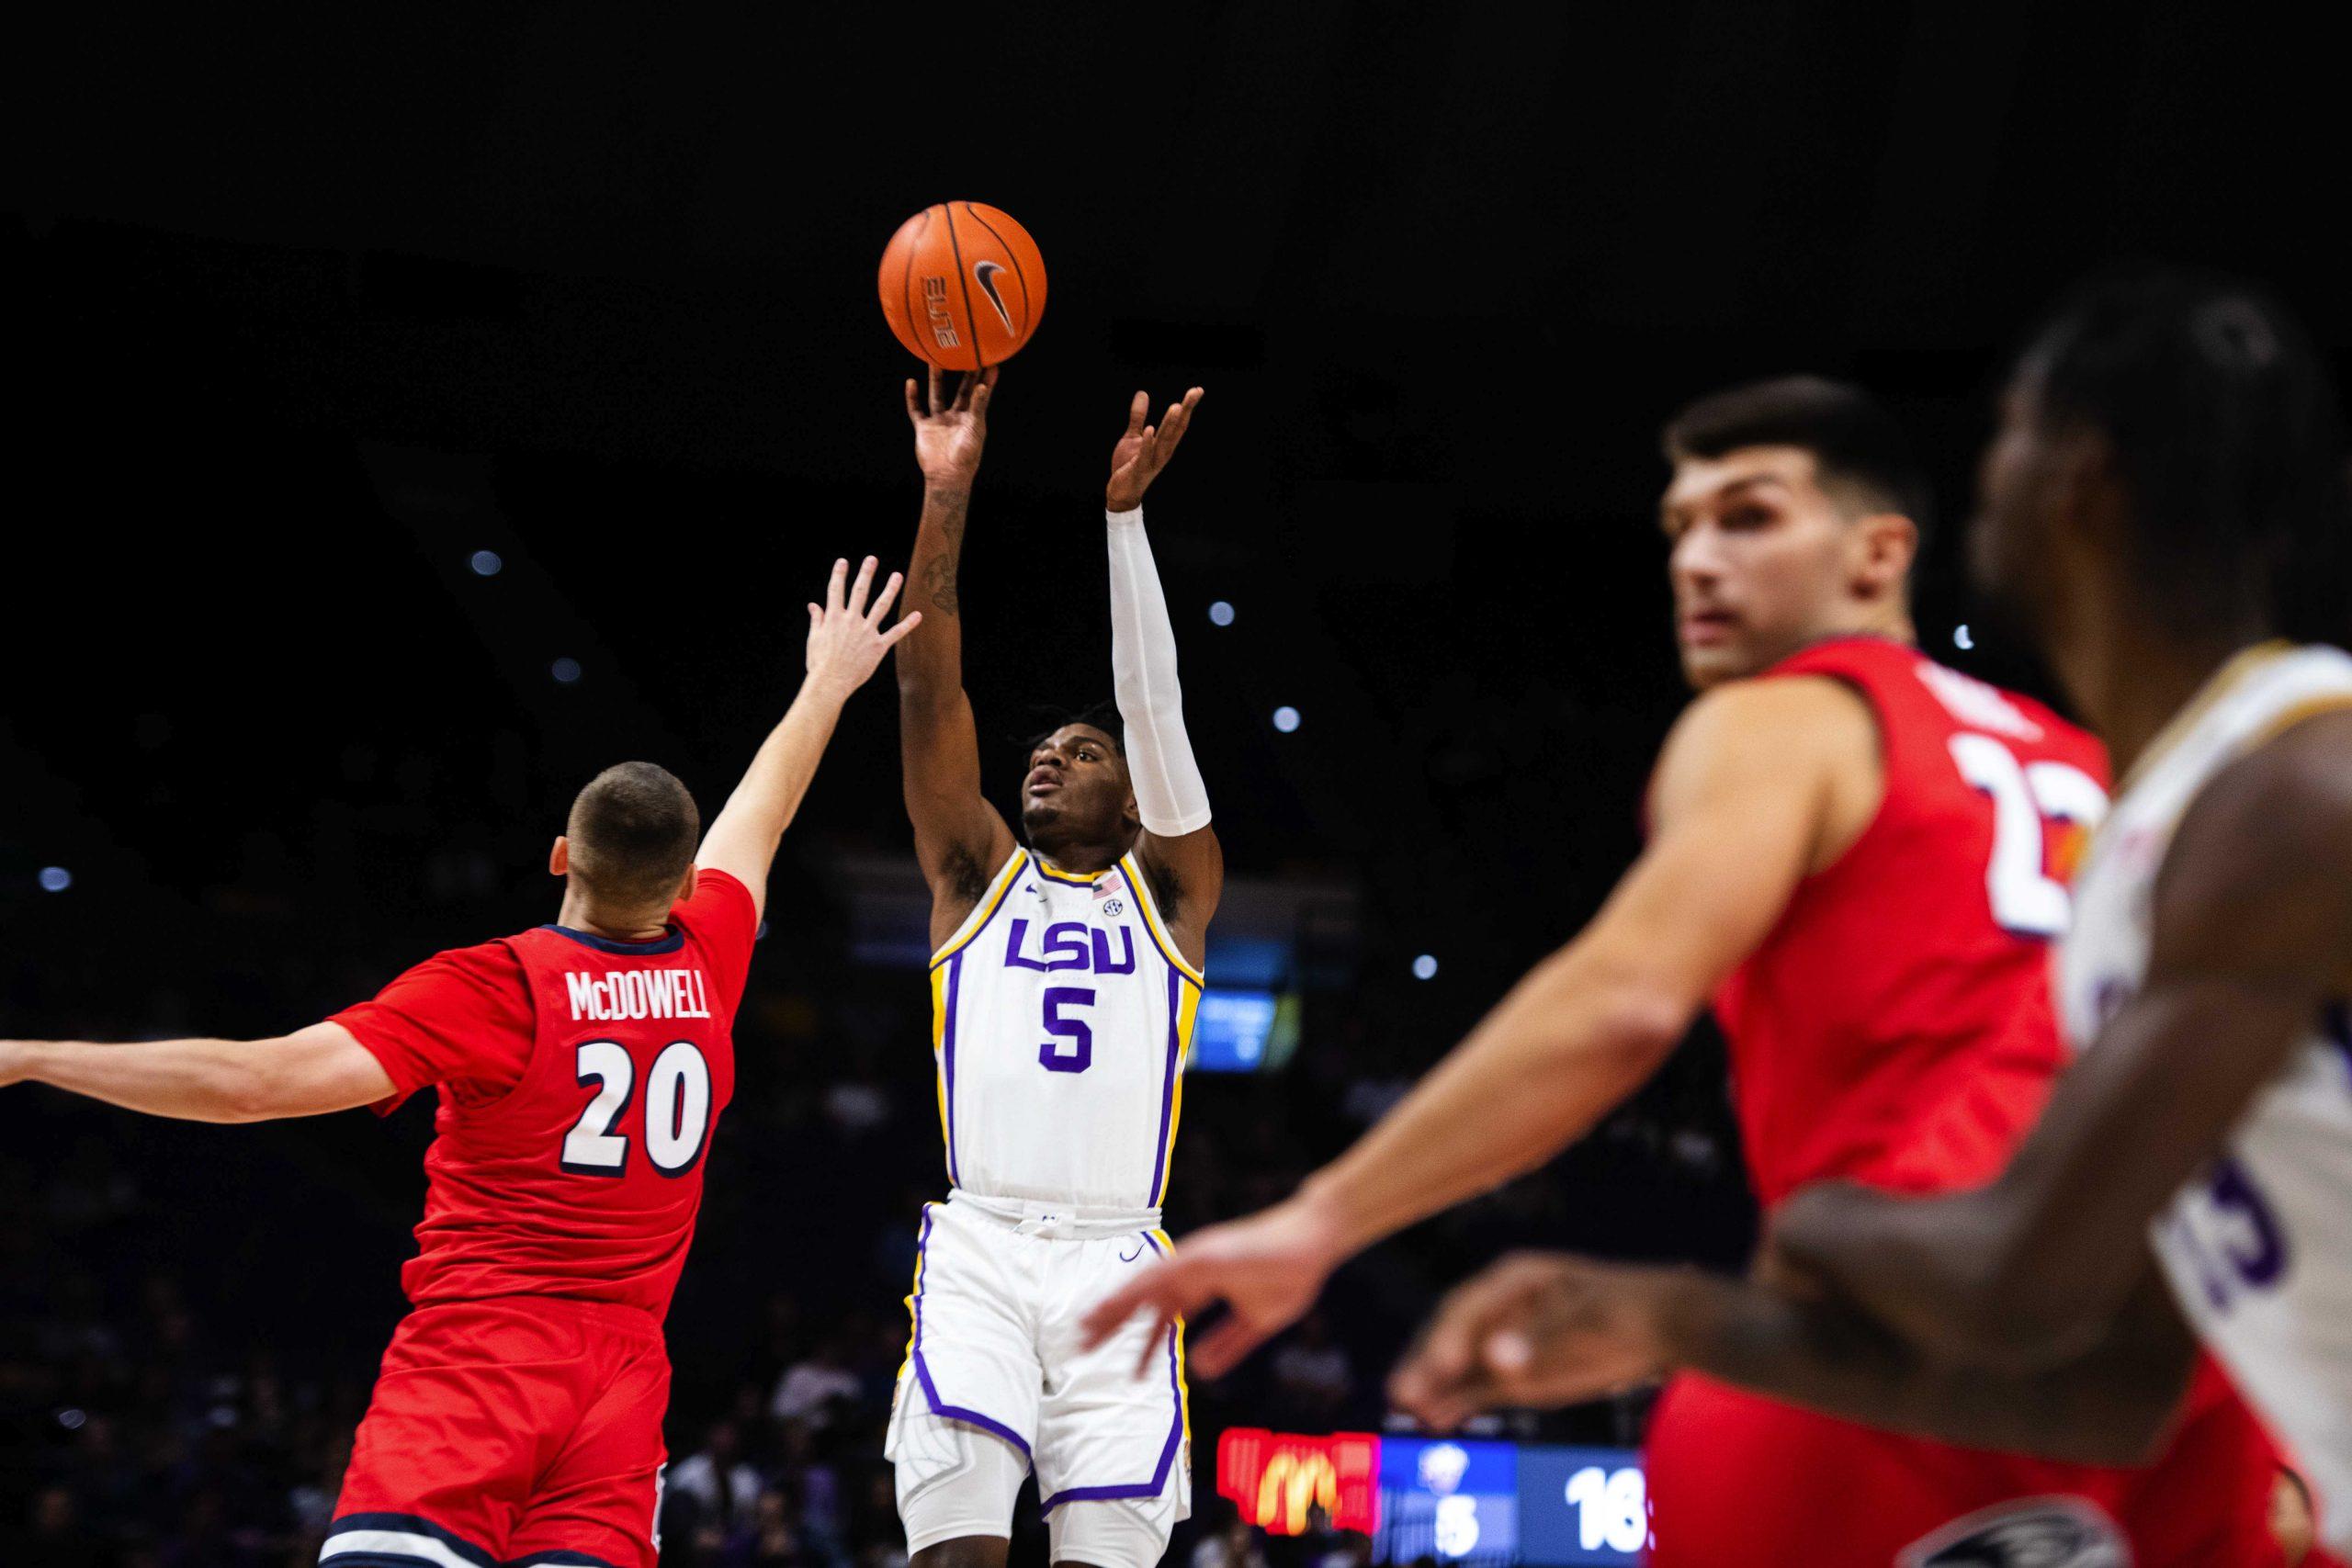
(1490, 1504)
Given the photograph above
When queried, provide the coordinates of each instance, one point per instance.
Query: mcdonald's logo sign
(1294, 1484)
(1278, 1480)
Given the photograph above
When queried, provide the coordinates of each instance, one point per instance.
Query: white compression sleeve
(1169, 795)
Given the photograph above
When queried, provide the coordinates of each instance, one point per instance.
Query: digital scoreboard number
(1582, 1507)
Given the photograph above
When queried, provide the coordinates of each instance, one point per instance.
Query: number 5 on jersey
(1080, 1053)
(2027, 900)
(677, 1109)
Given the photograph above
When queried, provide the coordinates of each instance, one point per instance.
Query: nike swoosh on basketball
(984, 272)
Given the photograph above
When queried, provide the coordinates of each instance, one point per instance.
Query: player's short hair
(1104, 715)
(2225, 427)
(633, 832)
(1851, 437)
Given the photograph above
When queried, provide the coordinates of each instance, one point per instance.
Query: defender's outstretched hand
(1535, 1331)
(847, 639)
(948, 437)
(1268, 1268)
(1145, 450)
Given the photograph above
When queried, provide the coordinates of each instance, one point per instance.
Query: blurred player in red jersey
(582, 1069)
(1859, 855)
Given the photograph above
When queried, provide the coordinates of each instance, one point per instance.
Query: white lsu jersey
(1061, 1013)
(2258, 1246)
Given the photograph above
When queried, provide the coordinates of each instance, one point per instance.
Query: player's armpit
(1187, 877)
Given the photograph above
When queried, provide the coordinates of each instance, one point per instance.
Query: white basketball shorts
(994, 1370)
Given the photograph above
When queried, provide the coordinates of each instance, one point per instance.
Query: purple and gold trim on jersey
(1159, 938)
(947, 974)
(944, 981)
(1183, 1002)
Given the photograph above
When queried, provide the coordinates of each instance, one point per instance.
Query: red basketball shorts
(520, 1428)
(1741, 1480)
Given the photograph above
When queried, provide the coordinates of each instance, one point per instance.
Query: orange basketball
(963, 285)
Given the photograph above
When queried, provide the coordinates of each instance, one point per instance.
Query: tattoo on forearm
(939, 582)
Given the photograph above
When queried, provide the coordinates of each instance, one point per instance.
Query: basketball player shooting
(2166, 484)
(1064, 984)
(1851, 854)
(581, 1068)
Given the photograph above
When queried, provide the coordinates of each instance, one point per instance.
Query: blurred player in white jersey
(1064, 981)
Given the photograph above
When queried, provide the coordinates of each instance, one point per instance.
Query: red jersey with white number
(581, 1080)
(1897, 1027)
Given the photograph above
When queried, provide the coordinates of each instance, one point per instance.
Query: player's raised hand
(949, 435)
(847, 638)
(1534, 1331)
(1145, 450)
(1267, 1268)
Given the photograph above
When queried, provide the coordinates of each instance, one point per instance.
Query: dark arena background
(418, 412)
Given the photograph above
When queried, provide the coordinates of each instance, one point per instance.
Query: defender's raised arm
(959, 837)
(846, 642)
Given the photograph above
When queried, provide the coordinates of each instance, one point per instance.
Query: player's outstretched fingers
(1177, 420)
(862, 586)
(882, 604)
(934, 389)
(891, 637)
(986, 390)
(914, 408)
(1138, 409)
(834, 588)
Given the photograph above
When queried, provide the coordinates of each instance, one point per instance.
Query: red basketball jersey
(581, 1080)
(1897, 1027)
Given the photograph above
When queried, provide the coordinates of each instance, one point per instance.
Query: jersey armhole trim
(1160, 937)
(2231, 675)
(2317, 706)
(985, 912)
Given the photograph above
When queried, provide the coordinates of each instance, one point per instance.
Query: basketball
(962, 285)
